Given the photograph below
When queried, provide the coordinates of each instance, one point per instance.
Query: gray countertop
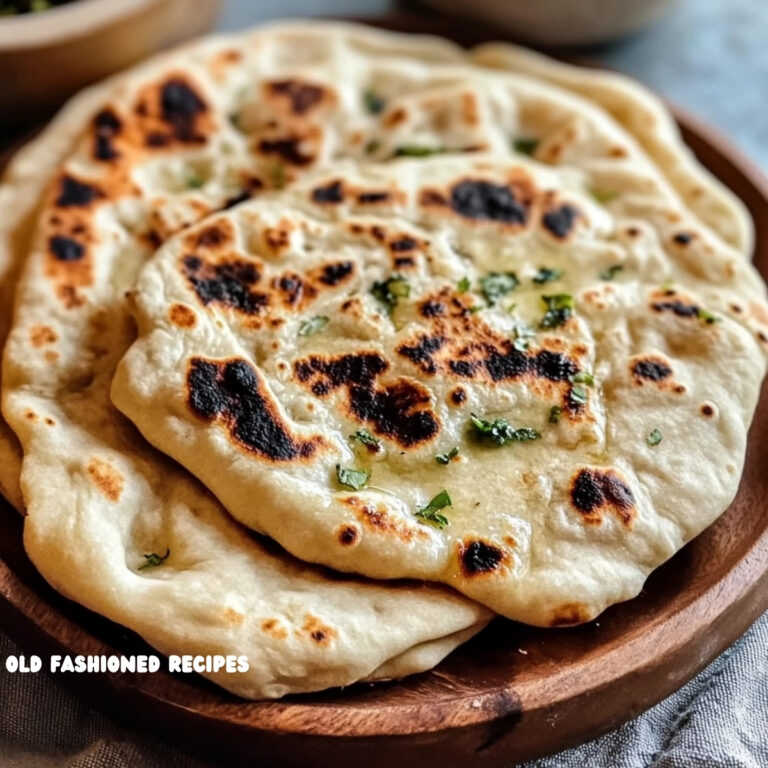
(709, 56)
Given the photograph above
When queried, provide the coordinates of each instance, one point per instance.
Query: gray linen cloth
(718, 720)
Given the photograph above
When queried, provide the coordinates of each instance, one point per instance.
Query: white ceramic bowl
(560, 22)
(46, 56)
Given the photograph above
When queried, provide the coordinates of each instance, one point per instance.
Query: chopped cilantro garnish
(313, 325)
(277, 175)
(578, 394)
(610, 272)
(523, 334)
(496, 285)
(445, 458)
(706, 317)
(603, 195)
(546, 275)
(390, 291)
(463, 285)
(153, 560)
(655, 437)
(356, 479)
(416, 150)
(373, 102)
(559, 309)
(584, 377)
(554, 414)
(366, 438)
(525, 145)
(194, 181)
(431, 514)
(500, 432)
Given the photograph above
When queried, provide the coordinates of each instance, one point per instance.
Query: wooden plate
(512, 693)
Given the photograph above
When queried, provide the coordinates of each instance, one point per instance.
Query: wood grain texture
(512, 693)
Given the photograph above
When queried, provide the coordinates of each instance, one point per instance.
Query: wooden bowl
(511, 694)
(46, 56)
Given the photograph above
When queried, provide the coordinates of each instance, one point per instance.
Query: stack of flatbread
(329, 344)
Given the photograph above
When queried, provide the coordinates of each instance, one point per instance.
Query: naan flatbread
(547, 395)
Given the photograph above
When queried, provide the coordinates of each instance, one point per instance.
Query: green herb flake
(603, 196)
(525, 145)
(446, 458)
(584, 377)
(366, 438)
(313, 325)
(579, 394)
(416, 150)
(390, 291)
(546, 275)
(500, 432)
(610, 272)
(522, 336)
(195, 182)
(277, 176)
(373, 146)
(655, 437)
(559, 309)
(706, 317)
(431, 513)
(356, 479)
(153, 560)
(496, 285)
(463, 285)
(373, 102)
(554, 414)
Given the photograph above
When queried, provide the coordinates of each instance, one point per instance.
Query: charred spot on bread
(74, 193)
(333, 274)
(478, 557)
(403, 243)
(422, 350)
(367, 198)
(106, 126)
(302, 96)
(287, 148)
(348, 535)
(677, 307)
(232, 392)
(398, 410)
(330, 193)
(594, 491)
(561, 221)
(478, 199)
(65, 248)
(180, 105)
(651, 369)
(228, 283)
